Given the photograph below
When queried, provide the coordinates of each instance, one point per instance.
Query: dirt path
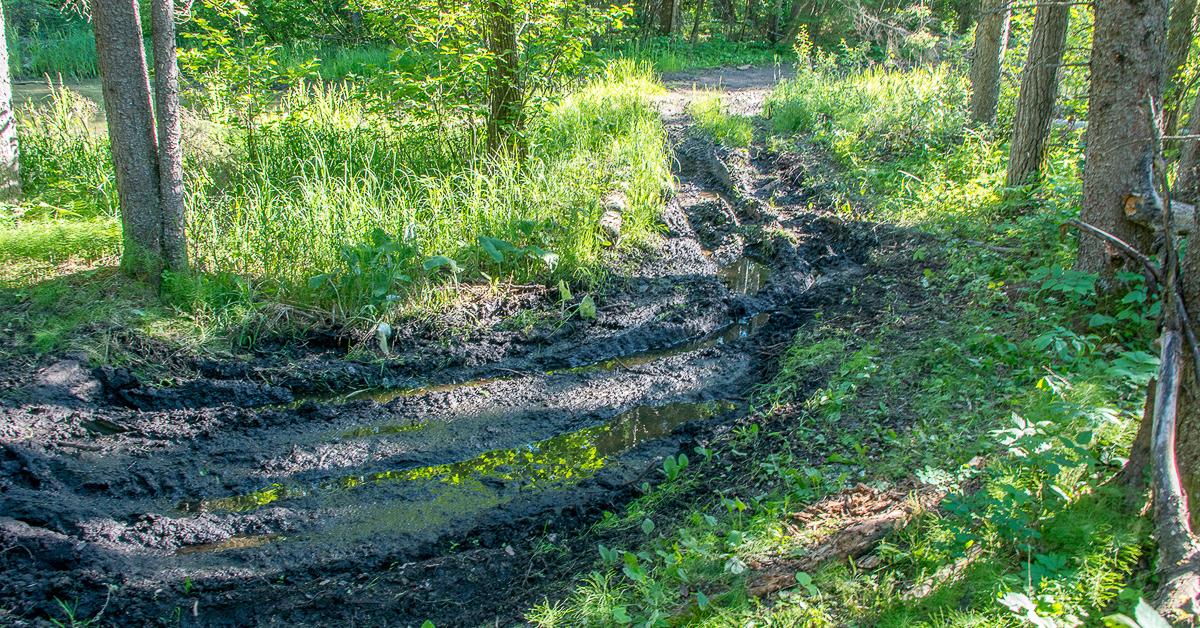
(314, 490)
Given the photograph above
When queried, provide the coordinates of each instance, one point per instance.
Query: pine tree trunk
(1039, 93)
(1127, 71)
(991, 38)
(126, 86)
(170, 137)
(506, 115)
(10, 171)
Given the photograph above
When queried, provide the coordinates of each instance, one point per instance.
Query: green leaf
(803, 579)
(620, 616)
(427, 624)
(439, 261)
(587, 308)
(647, 526)
(701, 600)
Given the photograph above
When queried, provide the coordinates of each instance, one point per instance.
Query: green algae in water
(556, 462)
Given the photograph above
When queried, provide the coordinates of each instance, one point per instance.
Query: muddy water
(416, 500)
(745, 276)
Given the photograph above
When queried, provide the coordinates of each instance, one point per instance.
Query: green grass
(674, 55)
(70, 54)
(333, 210)
(729, 129)
(1009, 356)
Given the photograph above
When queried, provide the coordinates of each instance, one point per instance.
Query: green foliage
(668, 55)
(65, 164)
(732, 130)
(37, 55)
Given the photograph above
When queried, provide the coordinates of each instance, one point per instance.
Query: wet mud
(284, 489)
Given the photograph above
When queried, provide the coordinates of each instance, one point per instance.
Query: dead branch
(1123, 246)
(1179, 552)
(889, 512)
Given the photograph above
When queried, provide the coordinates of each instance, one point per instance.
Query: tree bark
(699, 20)
(1039, 93)
(124, 81)
(170, 137)
(991, 38)
(728, 14)
(1127, 73)
(1187, 444)
(666, 17)
(506, 106)
(750, 17)
(10, 171)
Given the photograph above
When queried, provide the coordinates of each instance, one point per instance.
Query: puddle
(232, 543)
(104, 427)
(382, 430)
(745, 276)
(489, 478)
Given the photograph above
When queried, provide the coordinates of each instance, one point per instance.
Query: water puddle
(232, 543)
(557, 462)
(745, 276)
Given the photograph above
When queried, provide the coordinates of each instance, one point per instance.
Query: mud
(285, 488)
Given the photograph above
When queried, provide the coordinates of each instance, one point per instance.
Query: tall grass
(668, 55)
(330, 171)
(65, 165)
(728, 129)
(71, 54)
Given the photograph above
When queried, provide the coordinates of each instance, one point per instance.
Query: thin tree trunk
(728, 14)
(1187, 444)
(10, 171)
(699, 20)
(794, 24)
(750, 18)
(1179, 41)
(991, 38)
(121, 57)
(1118, 180)
(506, 116)
(1039, 93)
(170, 137)
(773, 28)
(965, 16)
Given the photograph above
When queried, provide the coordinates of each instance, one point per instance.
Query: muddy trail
(303, 488)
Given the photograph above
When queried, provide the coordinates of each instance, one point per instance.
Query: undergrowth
(330, 207)
(1007, 383)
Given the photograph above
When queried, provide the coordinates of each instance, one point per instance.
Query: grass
(1006, 356)
(729, 129)
(331, 208)
(70, 54)
(668, 55)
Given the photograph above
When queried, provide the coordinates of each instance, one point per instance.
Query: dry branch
(873, 515)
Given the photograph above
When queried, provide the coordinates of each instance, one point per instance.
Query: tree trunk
(1179, 41)
(794, 24)
(699, 20)
(506, 115)
(170, 137)
(1187, 437)
(123, 77)
(1187, 180)
(991, 38)
(666, 17)
(750, 18)
(10, 172)
(773, 28)
(964, 16)
(728, 14)
(1039, 93)
(1127, 72)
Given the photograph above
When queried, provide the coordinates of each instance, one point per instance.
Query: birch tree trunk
(10, 170)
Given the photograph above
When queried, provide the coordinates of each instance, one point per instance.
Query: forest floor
(458, 480)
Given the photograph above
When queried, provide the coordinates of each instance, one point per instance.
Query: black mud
(309, 489)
